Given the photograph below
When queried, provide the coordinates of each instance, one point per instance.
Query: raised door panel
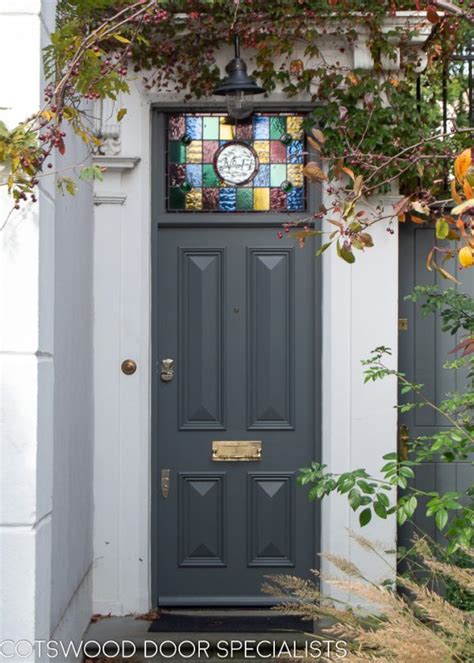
(271, 519)
(270, 282)
(201, 346)
(201, 519)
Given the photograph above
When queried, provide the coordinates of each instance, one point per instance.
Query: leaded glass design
(216, 164)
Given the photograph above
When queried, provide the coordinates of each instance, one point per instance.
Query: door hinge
(402, 324)
(165, 483)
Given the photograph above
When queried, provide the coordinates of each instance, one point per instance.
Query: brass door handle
(403, 442)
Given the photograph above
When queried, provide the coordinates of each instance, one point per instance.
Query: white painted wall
(46, 386)
(360, 310)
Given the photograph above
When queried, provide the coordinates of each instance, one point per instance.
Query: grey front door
(423, 350)
(237, 311)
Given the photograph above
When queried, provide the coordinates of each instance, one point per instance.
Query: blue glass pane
(261, 128)
(194, 127)
(295, 198)
(295, 152)
(227, 200)
(194, 174)
(262, 178)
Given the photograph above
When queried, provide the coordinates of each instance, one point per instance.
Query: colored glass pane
(277, 127)
(261, 200)
(210, 128)
(277, 174)
(295, 174)
(216, 164)
(177, 152)
(244, 200)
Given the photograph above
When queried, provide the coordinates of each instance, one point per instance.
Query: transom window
(216, 164)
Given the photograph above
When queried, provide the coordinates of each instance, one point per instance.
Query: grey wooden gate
(423, 350)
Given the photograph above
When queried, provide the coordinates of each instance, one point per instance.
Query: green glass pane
(277, 174)
(209, 177)
(211, 128)
(277, 127)
(177, 198)
(177, 152)
(244, 199)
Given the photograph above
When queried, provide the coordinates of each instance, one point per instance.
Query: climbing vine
(367, 132)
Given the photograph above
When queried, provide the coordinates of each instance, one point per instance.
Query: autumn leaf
(467, 188)
(313, 172)
(314, 144)
(349, 172)
(366, 239)
(121, 114)
(432, 15)
(454, 192)
(318, 134)
(122, 40)
(463, 207)
(461, 165)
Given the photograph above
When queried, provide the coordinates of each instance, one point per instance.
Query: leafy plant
(452, 511)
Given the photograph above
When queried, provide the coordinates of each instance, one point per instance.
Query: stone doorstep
(120, 629)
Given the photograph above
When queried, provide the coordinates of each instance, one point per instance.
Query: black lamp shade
(237, 78)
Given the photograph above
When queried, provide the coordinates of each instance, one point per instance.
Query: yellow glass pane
(227, 131)
(261, 199)
(194, 200)
(294, 126)
(262, 148)
(194, 152)
(295, 173)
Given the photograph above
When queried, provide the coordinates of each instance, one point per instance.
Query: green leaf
(407, 472)
(365, 487)
(441, 519)
(322, 249)
(442, 228)
(383, 499)
(122, 40)
(365, 517)
(346, 254)
(380, 510)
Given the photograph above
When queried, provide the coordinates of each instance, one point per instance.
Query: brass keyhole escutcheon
(129, 367)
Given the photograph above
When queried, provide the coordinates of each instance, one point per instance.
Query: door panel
(236, 310)
(423, 350)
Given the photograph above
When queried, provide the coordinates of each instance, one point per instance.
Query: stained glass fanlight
(216, 164)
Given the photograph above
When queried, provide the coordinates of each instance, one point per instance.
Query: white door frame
(359, 310)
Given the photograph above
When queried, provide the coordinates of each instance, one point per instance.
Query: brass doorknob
(129, 367)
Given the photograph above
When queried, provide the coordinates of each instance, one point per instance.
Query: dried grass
(420, 627)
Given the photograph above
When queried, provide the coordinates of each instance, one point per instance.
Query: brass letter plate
(236, 450)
